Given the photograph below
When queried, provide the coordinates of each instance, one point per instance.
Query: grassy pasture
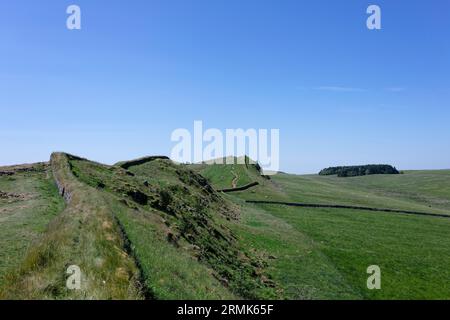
(427, 191)
(413, 252)
(324, 253)
(24, 219)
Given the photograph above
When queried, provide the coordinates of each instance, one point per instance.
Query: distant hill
(353, 171)
(231, 172)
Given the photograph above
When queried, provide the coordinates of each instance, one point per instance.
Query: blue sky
(339, 93)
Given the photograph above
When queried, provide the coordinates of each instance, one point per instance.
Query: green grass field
(324, 253)
(25, 217)
(157, 230)
(427, 191)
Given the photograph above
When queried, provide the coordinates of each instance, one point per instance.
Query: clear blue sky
(339, 93)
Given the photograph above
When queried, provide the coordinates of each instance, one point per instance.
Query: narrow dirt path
(235, 179)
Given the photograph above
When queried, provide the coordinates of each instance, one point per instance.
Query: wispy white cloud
(339, 89)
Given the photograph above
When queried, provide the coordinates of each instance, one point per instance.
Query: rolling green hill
(242, 171)
(152, 229)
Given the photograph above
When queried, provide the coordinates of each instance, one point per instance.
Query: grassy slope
(230, 175)
(179, 205)
(220, 173)
(168, 272)
(22, 221)
(296, 264)
(159, 232)
(413, 252)
(84, 234)
(324, 253)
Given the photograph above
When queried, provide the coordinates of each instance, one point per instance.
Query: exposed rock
(138, 197)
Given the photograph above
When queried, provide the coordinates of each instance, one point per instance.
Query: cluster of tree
(353, 171)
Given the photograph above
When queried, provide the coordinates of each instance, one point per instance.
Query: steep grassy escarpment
(155, 230)
(172, 203)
